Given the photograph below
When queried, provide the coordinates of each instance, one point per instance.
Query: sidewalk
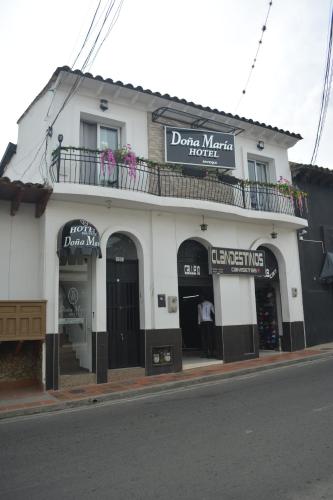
(28, 401)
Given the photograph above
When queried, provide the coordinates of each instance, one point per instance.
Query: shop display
(266, 316)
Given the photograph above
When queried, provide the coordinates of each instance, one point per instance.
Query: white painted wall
(274, 155)
(83, 105)
(157, 236)
(20, 253)
(27, 165)
(127, 113)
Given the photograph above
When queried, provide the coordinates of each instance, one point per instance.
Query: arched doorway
(78, 245)
(194, 281)
(122, 295)
(268, 304)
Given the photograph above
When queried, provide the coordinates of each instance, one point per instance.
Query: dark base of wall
(240, 342)
(160, 338)
(218, 342)
(293, 336)
(102, 358)
(142, 341)
(52, 361)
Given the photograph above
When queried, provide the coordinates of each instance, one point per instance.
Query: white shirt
(205, 310)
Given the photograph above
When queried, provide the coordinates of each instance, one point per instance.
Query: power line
(112, 24)
(34, 158)
(87, 35)
(263, 30)
(325, 97)
(80, 78)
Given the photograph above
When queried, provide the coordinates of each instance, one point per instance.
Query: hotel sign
(199, 147)
(78, 237)
(237, 261)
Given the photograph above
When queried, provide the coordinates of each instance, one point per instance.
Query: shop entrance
(75, 329)
(122, 292)
(268, 304)
(194, 282)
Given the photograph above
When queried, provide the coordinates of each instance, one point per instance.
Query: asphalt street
(263, 436)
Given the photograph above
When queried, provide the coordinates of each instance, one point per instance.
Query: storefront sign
(78, 237)
(191, 270)
(237, 261)
(199, 147)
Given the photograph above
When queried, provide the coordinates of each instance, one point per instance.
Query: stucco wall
(83, 105)
(137, 129)
(20, 254)
(158, 236)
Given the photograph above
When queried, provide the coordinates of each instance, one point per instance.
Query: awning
(327, 270)
(78, 238)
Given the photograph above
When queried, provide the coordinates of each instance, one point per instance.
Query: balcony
(86, 167)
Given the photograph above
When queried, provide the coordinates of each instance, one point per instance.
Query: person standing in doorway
(206, 314)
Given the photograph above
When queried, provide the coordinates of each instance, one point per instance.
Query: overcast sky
(198, 50)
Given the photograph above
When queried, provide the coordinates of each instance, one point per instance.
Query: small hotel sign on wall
(199, 147)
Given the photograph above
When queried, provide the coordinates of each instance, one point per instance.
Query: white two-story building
(130, 239)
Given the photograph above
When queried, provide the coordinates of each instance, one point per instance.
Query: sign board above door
(199, 147)
(237, 261)
(78, 237)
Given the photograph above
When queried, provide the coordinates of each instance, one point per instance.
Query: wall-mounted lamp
(103, 104)
(260, 145)
(274, 234)
(203, 226)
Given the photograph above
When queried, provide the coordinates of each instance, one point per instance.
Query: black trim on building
(218, 341)
(171, 337)
(240, 342)
(93, 352)
(293, 336)
(142, 343)
(52, 361)
(102, 339)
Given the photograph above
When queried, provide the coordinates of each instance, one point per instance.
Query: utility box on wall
(162, 355)
(172, 304)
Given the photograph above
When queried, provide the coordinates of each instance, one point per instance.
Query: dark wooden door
(123, 313)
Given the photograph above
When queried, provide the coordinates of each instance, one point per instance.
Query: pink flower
(130, 160)
(107, 156)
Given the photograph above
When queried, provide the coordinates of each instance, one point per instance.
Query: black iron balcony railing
(82, 166)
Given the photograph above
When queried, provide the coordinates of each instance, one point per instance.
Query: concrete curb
(158, 388)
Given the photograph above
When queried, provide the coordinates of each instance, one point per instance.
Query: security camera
(302, 233)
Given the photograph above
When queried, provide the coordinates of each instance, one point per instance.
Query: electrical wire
(325, 97)
(112, 24)
(93, 51)
(108, 12)
(87, 35)
(263, 30)
(80, 78)
(34, 158)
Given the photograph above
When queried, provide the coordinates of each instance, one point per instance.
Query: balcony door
(93, 137)
(258, 172)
